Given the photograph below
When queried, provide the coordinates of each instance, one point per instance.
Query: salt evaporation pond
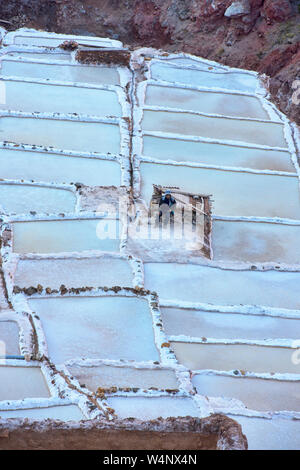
(46, 97)
(23, 198)
(214, 78)
(100, 137)
(56, 168)
(270, 434)
(152, 408)
(54, 236)
(18, 383)
(9, 335)
(223, 286)
(197, 323)
(114, 327)
(256, 394)
(74, 272)
(60, 413)
(66, 72)
(206, 102)
(256, 242)
(180, 150)
(39, 54)
(227, 357)
(234, 193)
(107, 376)
(257, 132)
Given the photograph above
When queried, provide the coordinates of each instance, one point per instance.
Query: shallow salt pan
(263, 133)
(9, 335)
(234, 193)
(258, 359)
(69, 73)
(61, 413)
(207, 102)
(210, 78)
(194, 283)
(151, 408)
(66, 236)
(256, 394)
(197, 323)
(255, 242)
(216, 154)
(22, 198)
(31, 97)
(17, 383)
(102, 327)
(108, 376)
(55, 168)
(270, 434)
(69, 135)
(50, 54)
(93, 272)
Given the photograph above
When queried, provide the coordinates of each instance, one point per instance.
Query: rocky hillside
(262, 35)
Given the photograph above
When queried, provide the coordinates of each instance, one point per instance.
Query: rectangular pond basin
(30, 37)
(107, 376)
(206, 78)
(244, 357)
(152, 408)
(263, 133)
(9, 338)
(234, 193)
(39, 54)
(256, 394)
(64, 72)
(163, 148)
(56, 236)
(198, 323)
(113, 327)
(194, 283)
(72, 272)
(270, 434)
(55, 168)
(74, 135)
(23, 198)
(32, 97)
(255, 242)
(60, 413)
(17, 383)
(206, 102)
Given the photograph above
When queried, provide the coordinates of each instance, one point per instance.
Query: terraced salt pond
(256, 242)
(270, 434)
(197, 323)
(9, 335)
(223, 286)
(56, 168)
(152, 408)
(107, 376)
(256, 394)
(18, 383)
(66, 72)
(46, 97)
(100, 137)
(234, 193)
(56, 236)
(23, 198)
(102, 328)
(227, 104)
(209, 76)
(180, 150)
(258, 359)
(257, 132)
(74, 272)
(60, 413)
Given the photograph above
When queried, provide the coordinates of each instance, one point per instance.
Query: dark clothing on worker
(167, 200)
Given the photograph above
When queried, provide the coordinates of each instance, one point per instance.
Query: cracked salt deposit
(80, 141)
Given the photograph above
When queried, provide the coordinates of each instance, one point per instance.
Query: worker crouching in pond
(166, 203)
